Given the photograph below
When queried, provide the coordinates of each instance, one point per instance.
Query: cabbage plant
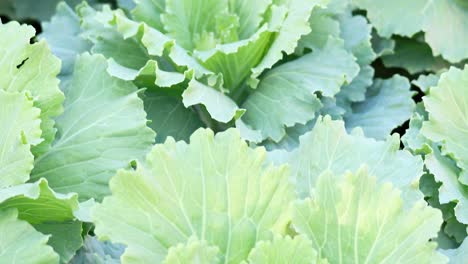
(233, 131)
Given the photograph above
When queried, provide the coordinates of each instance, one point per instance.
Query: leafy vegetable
(102, 129)
(238, 199)
(342, 223)
(233, 131)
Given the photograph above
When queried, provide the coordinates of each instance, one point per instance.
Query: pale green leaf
(387, 16)
(231, 199)
(324, 27)
(112, 31)
(189, 21)
(49, 212)
(149, 11)
(354, 219)
(356, 90)
(445, 23)
(286, 95)
(20, 129)
(294, 26)
(20, 243)
(291, 140)
(329, 147)
(102, 129)
(356, 33)
(62, 34)
(250, 15)
(236, 60)
(127, 57)
(388, 104)
(32, 68)
(446, 27)
(447, 105)
(37, 203)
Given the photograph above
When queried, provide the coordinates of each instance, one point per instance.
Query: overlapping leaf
(341, 221)
(102, 129)
(435, 18)
(229, 199)
(447, 105)
(329, 147)
(31, 68)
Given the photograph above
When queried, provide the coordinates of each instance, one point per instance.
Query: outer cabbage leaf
(387, 18)
(48, 212)
(286, 94)
(354, 219)
(446, 27)
(20, 129)
(32, 68)
(388, 104)
(329, 147)
(447, 105)
(20, 243)
(435, 18)
(296, 250)
(63, 35)
(37, 203)
(102, 129)
(230, 199)
(356, 33)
